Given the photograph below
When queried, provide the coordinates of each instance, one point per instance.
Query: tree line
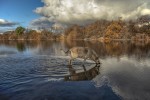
(115, 29)
(102, 29)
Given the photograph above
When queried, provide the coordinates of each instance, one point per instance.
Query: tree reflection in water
(139, 50)
(20, 47)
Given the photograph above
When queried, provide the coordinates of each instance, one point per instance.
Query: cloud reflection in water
(126, 79)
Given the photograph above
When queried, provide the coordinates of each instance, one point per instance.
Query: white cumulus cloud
(85, 11)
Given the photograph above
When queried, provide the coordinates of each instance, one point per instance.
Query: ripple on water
(21, 72)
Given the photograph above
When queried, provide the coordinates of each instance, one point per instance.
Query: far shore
(87, 39)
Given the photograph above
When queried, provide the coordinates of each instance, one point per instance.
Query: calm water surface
(38, 70)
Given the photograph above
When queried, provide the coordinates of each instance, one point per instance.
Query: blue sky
(20, 12)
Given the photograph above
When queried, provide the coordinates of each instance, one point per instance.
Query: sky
(15, 13)
(37, 14)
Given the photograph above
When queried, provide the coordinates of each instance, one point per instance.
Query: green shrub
(19, 30)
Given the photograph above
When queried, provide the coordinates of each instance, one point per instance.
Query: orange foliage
(114, 29)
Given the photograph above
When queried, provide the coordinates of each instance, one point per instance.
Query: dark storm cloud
(41, 23)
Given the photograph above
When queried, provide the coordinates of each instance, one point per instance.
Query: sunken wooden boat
(85, 75)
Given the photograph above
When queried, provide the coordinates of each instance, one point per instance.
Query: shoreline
(75, 40)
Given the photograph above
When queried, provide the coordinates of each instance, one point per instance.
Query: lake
(38, 70)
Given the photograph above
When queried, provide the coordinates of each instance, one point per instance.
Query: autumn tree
(74, 32)
(144, 19)
(114, 29)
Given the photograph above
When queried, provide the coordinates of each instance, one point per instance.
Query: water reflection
(125, 70)
(128, 78)
(113, 49)
(84, 75)
(21, 47)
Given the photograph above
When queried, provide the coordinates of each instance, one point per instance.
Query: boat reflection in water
(85, 75)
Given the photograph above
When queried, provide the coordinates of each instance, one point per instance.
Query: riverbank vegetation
(107, 30)
(102, 30)
(31, 35)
